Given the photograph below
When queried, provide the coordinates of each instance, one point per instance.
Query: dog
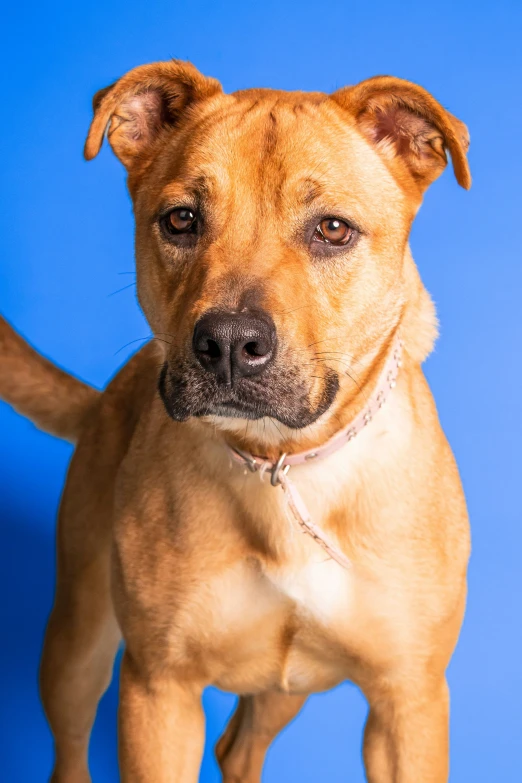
(262, 499)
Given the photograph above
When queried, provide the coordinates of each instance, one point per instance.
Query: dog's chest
(320, 594)
(286, 627)
(292, 619)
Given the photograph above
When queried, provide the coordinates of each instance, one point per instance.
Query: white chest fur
(320, 588)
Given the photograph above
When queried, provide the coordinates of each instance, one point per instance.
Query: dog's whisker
(122, 289)
(131, 342)
(326, 339)
(286, 312)
(277, 428)
(323, 362)
(161, 340)
(321, 359)
(346, 372)
(339, 353)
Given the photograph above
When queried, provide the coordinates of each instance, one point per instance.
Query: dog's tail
(53, 400)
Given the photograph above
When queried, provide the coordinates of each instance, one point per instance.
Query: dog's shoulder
(113, 422)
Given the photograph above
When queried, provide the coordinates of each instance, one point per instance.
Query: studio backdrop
(67, 283)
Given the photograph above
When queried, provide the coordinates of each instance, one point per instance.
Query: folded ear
(406, 123)
(135, 109)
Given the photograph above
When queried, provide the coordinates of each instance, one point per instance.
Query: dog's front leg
(161, 727)
(406, 735)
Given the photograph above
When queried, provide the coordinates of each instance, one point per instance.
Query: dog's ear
(406, 123)
(135, 109)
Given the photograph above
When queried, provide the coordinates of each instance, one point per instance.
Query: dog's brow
(199, 187)
(194, 190)
(309, 190)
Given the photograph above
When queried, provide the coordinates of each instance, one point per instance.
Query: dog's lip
(235, 405)
(237, 408)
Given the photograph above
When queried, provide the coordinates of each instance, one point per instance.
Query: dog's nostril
(212, 350)
(253, 350)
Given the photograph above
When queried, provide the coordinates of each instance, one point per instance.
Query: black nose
(234, 345)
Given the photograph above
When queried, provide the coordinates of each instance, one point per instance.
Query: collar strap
(278, 470)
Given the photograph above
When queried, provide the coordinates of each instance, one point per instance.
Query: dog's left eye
(180, 221)
(333, 231)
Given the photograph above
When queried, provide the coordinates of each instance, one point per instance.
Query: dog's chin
(265, 431)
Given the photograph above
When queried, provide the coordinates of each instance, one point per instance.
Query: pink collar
(278, 470)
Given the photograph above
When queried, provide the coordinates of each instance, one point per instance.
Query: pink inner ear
(142, 115)
(407, 130)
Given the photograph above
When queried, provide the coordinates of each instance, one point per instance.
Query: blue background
(66, 245)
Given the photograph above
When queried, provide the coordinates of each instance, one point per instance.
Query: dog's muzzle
(235, 366)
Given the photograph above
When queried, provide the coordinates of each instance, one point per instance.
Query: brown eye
(333, 231)
(181, 221)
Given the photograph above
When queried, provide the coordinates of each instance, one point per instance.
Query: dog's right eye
(180, 221)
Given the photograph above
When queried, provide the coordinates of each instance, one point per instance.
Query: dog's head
(272, 236)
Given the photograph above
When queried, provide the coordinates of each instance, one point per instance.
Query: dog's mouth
(236, 410)
(281, 395)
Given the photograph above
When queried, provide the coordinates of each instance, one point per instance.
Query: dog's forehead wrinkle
(270, 135)
(231, 130)
(266, 144)
(267, 95)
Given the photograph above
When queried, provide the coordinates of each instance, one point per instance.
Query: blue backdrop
(66, 238)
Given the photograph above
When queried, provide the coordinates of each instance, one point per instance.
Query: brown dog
(274, 269)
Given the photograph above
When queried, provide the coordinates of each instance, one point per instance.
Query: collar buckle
(274, 478)
(250, 461)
